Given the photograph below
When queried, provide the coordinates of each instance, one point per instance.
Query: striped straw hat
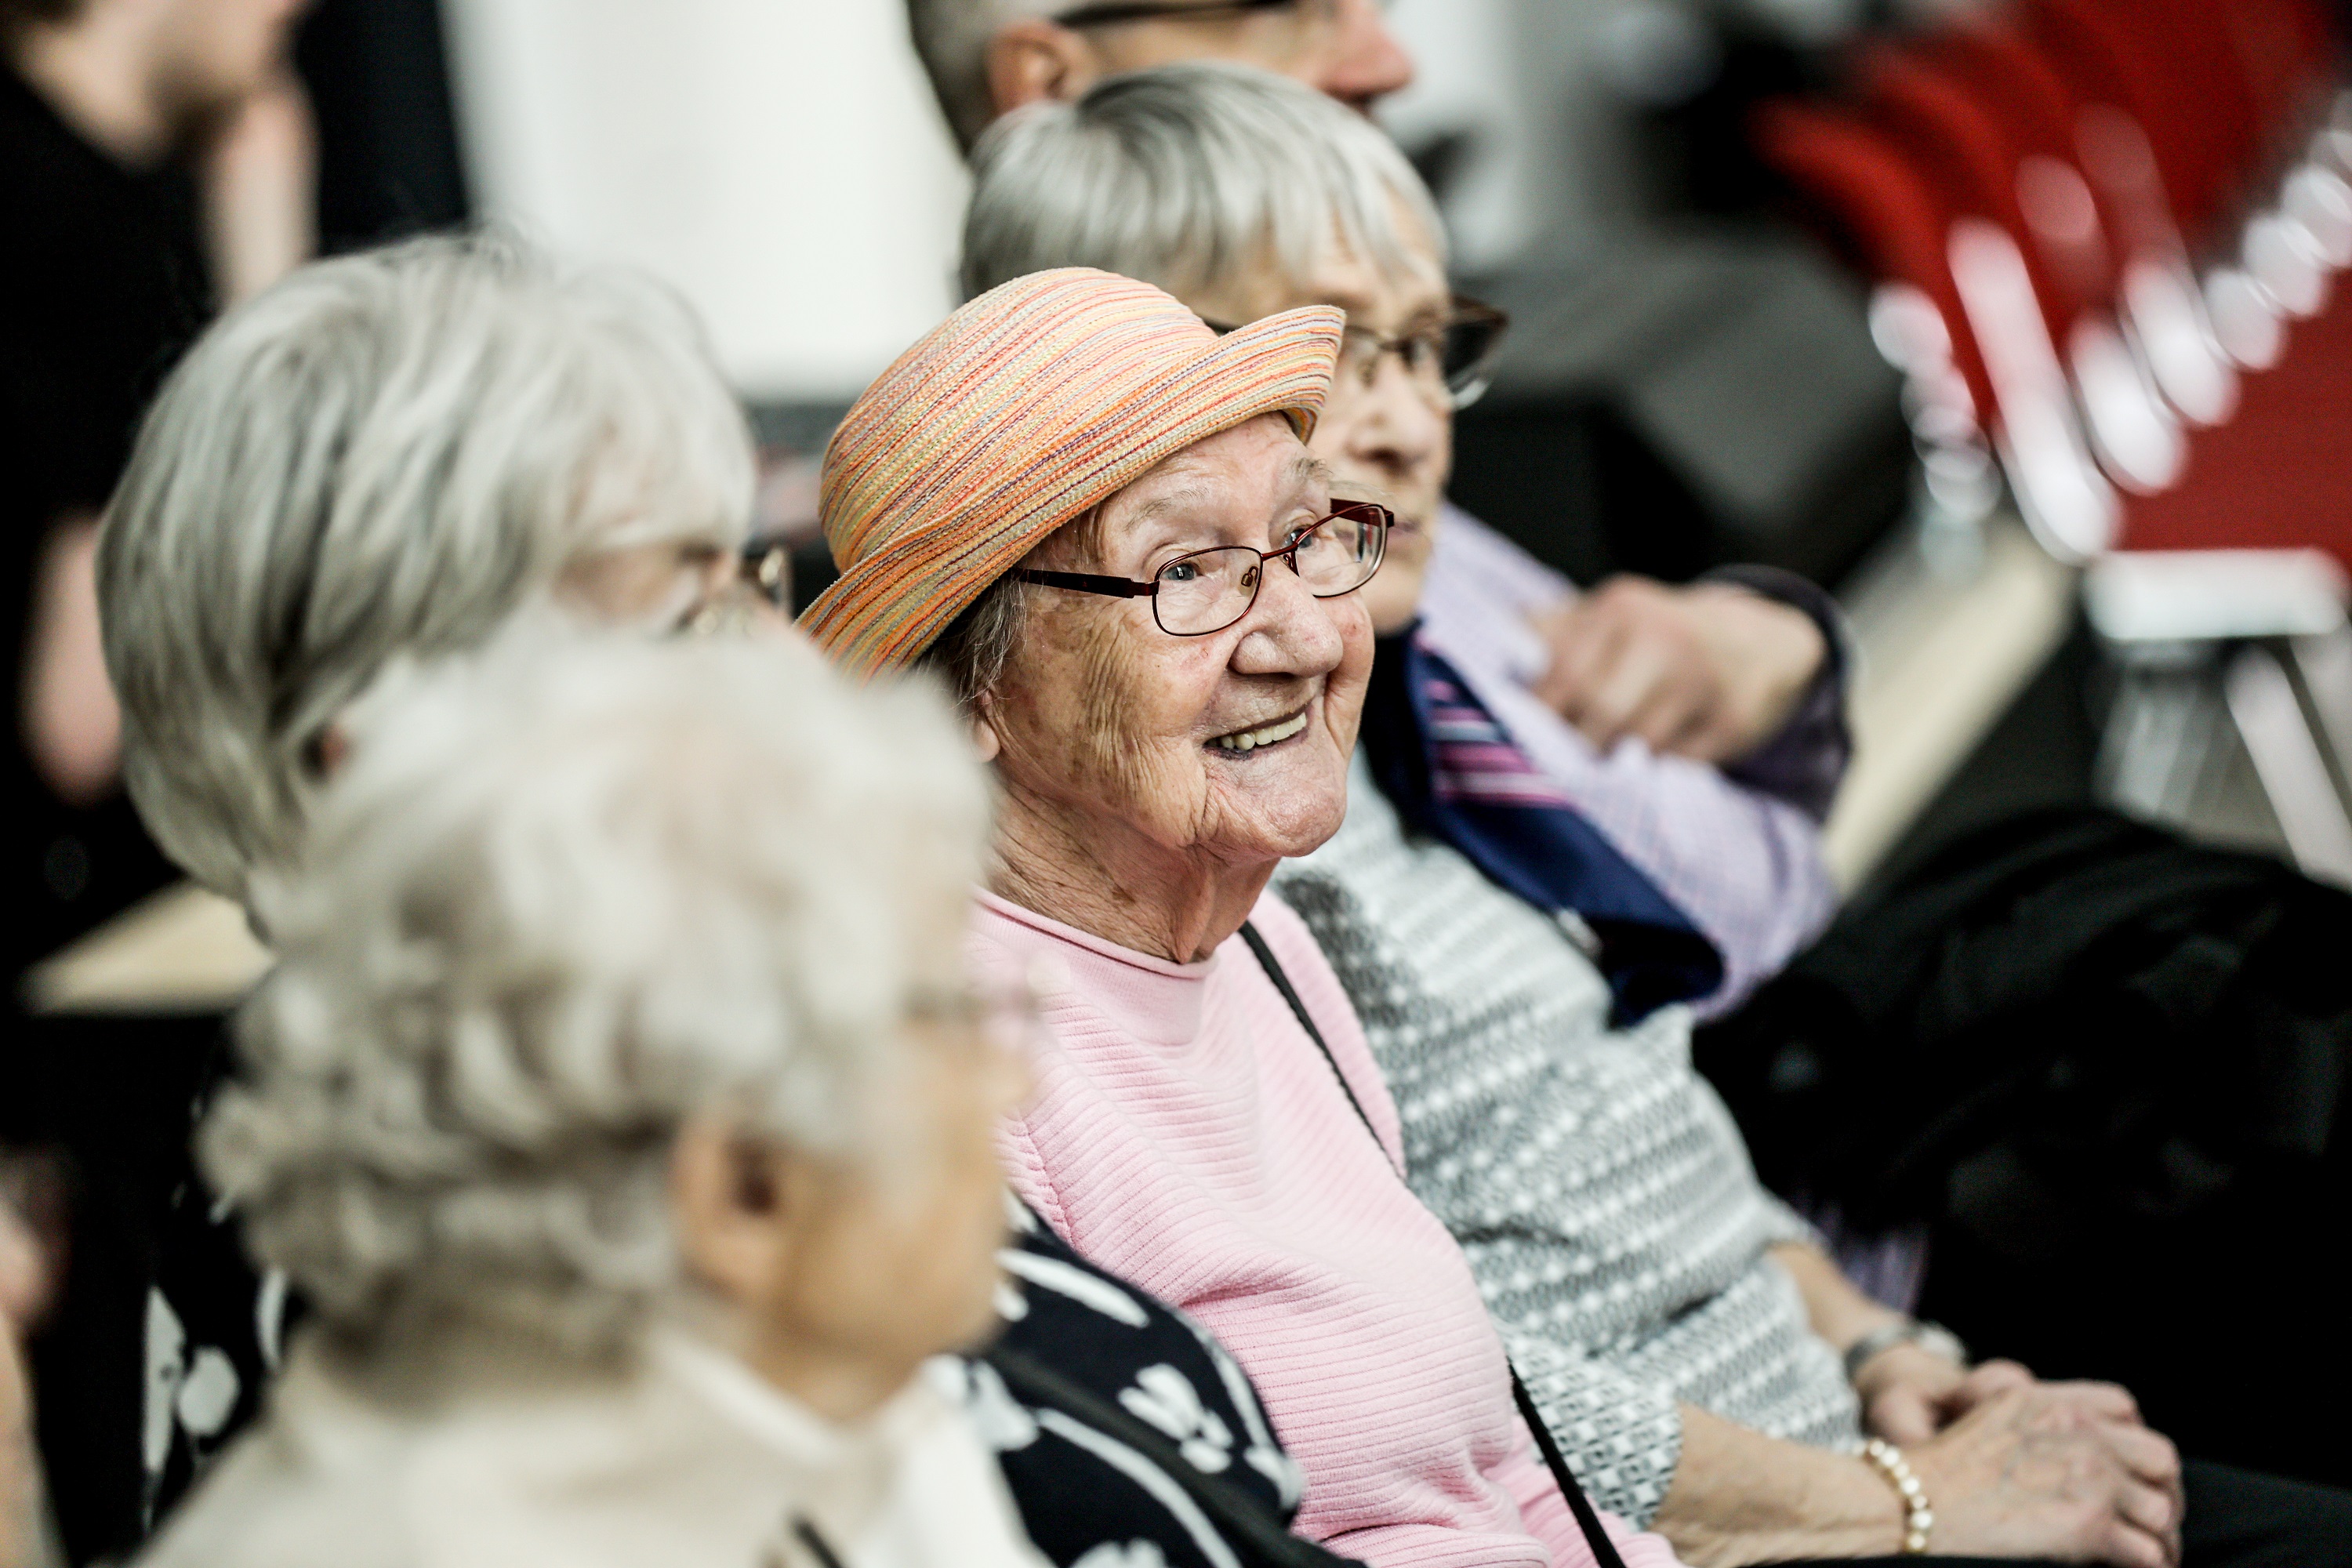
(1014, 415)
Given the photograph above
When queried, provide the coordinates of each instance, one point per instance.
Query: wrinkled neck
(1104, 878)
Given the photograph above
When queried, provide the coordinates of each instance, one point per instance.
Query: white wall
(1466, 83)
(780, 161)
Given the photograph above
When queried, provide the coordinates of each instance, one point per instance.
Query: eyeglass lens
(1209, 590)
(1443, 359)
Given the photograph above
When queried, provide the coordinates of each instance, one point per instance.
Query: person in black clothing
(152, 161)
(2102, 1068)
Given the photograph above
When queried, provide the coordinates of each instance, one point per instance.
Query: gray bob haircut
(387, 453)
(1189, 177)
(568, 894)
(951, 36)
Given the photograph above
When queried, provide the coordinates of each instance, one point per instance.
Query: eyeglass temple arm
(1087, 582)
(1155, 10)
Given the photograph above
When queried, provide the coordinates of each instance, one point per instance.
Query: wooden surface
(183, 950)
(1942, 658)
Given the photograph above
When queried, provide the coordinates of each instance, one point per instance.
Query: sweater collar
(1151, 999)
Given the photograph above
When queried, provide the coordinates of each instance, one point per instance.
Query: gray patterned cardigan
(1597, 1183)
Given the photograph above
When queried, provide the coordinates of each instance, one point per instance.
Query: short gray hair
(953, 37)
(568, 894)
(386, 453)
(1187, 177)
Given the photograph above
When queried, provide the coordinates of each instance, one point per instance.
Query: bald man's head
(986, 58)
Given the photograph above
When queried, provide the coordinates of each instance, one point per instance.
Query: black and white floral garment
(1089, 1498)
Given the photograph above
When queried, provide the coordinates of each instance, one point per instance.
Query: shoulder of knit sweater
(1031, 1183)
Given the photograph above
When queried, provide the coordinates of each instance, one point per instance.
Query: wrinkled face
(1233, 745)
(1391, 437)
(1342, 47)
(211, 54)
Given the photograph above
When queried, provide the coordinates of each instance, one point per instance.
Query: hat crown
(1033, 403)
(1097, 339)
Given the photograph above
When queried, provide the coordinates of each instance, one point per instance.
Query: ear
(1034, 59)
(985, 741)
(329, 749)
(732, 1204)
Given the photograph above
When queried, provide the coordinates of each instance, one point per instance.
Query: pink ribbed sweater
(1188, 1134)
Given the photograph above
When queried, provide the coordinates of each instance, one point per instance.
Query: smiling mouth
(1272, 734)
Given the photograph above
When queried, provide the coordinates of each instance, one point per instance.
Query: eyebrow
(1305, 470)
(1183, 498)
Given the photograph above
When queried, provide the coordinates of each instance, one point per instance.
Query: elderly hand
(1909, 1395)
(2054, 1471)
(1708, 671)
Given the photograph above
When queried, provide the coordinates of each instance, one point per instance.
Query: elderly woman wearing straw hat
(1100, 519)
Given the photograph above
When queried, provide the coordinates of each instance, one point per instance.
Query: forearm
(1740, 1497)
(24, 1534)
(71, 726)
(256, 178)
(1804, 761)
(1838, 1312)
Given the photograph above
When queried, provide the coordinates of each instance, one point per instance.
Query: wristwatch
(1933, 1338)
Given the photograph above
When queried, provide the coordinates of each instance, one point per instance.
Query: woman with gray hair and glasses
(414, 443)
(619, 1106)
(391, 453)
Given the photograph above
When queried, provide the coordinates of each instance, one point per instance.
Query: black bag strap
(813, 1543)
(1274, 971)
(1588, 1520)
(1244, 1521)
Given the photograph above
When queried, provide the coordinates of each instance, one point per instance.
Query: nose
(1390, 430)
(1368, 62)
(1289, 631)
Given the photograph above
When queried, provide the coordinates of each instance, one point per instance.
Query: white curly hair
(567, 894)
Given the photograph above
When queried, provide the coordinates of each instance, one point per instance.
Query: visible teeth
(1249, 739)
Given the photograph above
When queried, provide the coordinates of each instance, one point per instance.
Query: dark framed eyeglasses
(1110, 13)
(1451, 359)
(767, 570)
(762, 583)
(1205, 591)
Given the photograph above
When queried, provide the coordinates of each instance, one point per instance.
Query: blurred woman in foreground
(618, 1106)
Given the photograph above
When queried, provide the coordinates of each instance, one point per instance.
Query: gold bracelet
(1919, 1518)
